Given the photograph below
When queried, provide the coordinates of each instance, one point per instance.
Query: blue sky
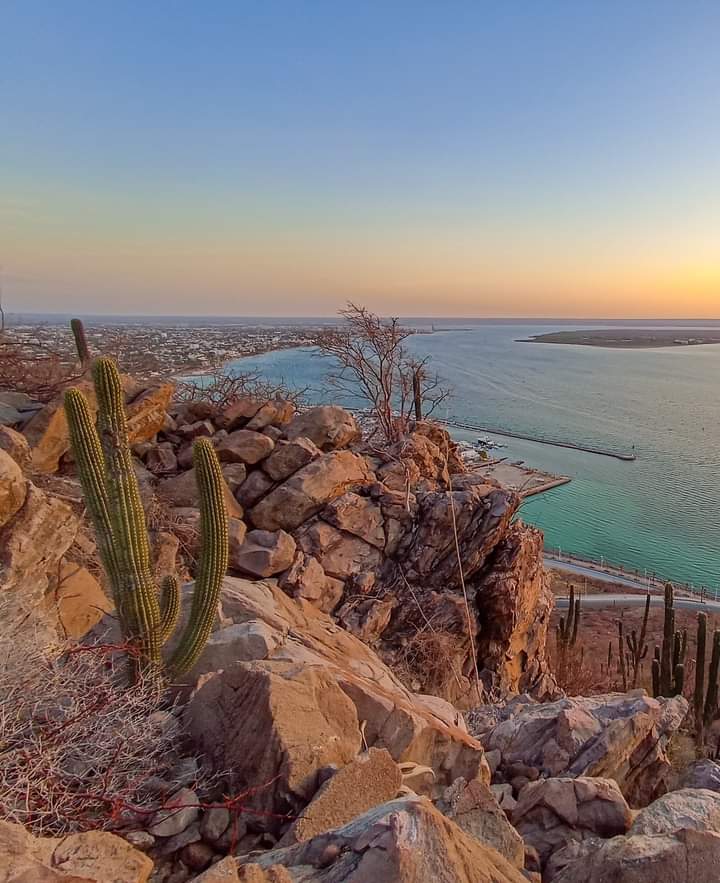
(472, 158)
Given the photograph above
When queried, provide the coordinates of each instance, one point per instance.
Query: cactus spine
(81, 344)
(105, 468)
(567, 632)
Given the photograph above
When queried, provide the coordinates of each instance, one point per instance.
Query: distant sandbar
(628, 338)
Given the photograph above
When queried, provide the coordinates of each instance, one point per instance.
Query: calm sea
(659, 513)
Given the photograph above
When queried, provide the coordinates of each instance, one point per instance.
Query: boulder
(276, 412)
(179, 812)
(15, 444)
(182, 491)
(13, 487)
(48, 433)
(550, 813)
(244, 446)
(31, 547)
(306, 492)
(403, 841)
(366, 618)
(289, 456)
(234, 475)
(78, 600)
(224, 871)
(685, 856)
(340, 554)
(329, 426)
(358, 516)
(273, 726)
(306, 579)
(254, 488)
(620, 736)
(263, 553)
(424, 730)
(702, 774)
(473, 807)
(694, 808)
(161, 459)
(91, 857)
(238, 412)
(369, 780)
(198, 429)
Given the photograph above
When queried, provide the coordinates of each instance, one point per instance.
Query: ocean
(657, 514)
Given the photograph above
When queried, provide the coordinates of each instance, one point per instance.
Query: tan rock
(369, 780)
(276, 412)
(93, 857)
(239, 412)
(329, 426)
(13, 487)
(234, 474)
(550, 813)
(244, 446)
(357, 515)
(224, 871)
(78, 600)
(308, 490)
(340, 554)
(181, 490)
(273, 723)
(473, 807)
(263, 553)
(403, 841)
(289, 456)
(161, 459)
(15, 444)
(306, 579)
(254, 488)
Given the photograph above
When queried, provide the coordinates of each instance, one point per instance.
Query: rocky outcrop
(550, 813)
(93, 857)
(694, 808)
(13, 488)
(615, 736)
(404, 841)
(262, 623)
(327, 426)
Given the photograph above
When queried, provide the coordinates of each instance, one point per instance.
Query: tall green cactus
(81, 344)
(669, 679)
(637, 646)
(566, 634)
(105, 468)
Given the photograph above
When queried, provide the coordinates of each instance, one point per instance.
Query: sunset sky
(425, 158)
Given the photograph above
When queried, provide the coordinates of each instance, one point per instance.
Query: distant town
(155, 349)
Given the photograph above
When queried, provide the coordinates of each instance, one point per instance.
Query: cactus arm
(90, 462)
(169, 606)
(126, 512)
(213, 559)
(679, 679)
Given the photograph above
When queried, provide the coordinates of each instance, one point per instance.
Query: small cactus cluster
(637, 646)
(668, 665)
(81, 344)
(110, 487)
(567, 634)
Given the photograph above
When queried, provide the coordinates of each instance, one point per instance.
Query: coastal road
(608, 600)
(601, 575)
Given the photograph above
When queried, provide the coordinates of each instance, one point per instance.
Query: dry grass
(78, 748)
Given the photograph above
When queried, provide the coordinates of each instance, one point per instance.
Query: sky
(422, 158)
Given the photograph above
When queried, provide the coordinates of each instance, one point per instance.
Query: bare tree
(372, 364)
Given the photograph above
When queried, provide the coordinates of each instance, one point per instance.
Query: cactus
(637, 646)
(699, 695)
(656, 675)
(671, 656)
(621, 648)
(83, 351)
(110, 487)
(711, 700)
(566, 633)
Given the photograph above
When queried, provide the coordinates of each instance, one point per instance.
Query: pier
(542, 441)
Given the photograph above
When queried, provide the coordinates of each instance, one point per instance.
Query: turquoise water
(658, 513)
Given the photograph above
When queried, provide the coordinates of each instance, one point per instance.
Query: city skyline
(463, 160)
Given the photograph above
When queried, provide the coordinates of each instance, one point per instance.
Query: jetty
(601, 452)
